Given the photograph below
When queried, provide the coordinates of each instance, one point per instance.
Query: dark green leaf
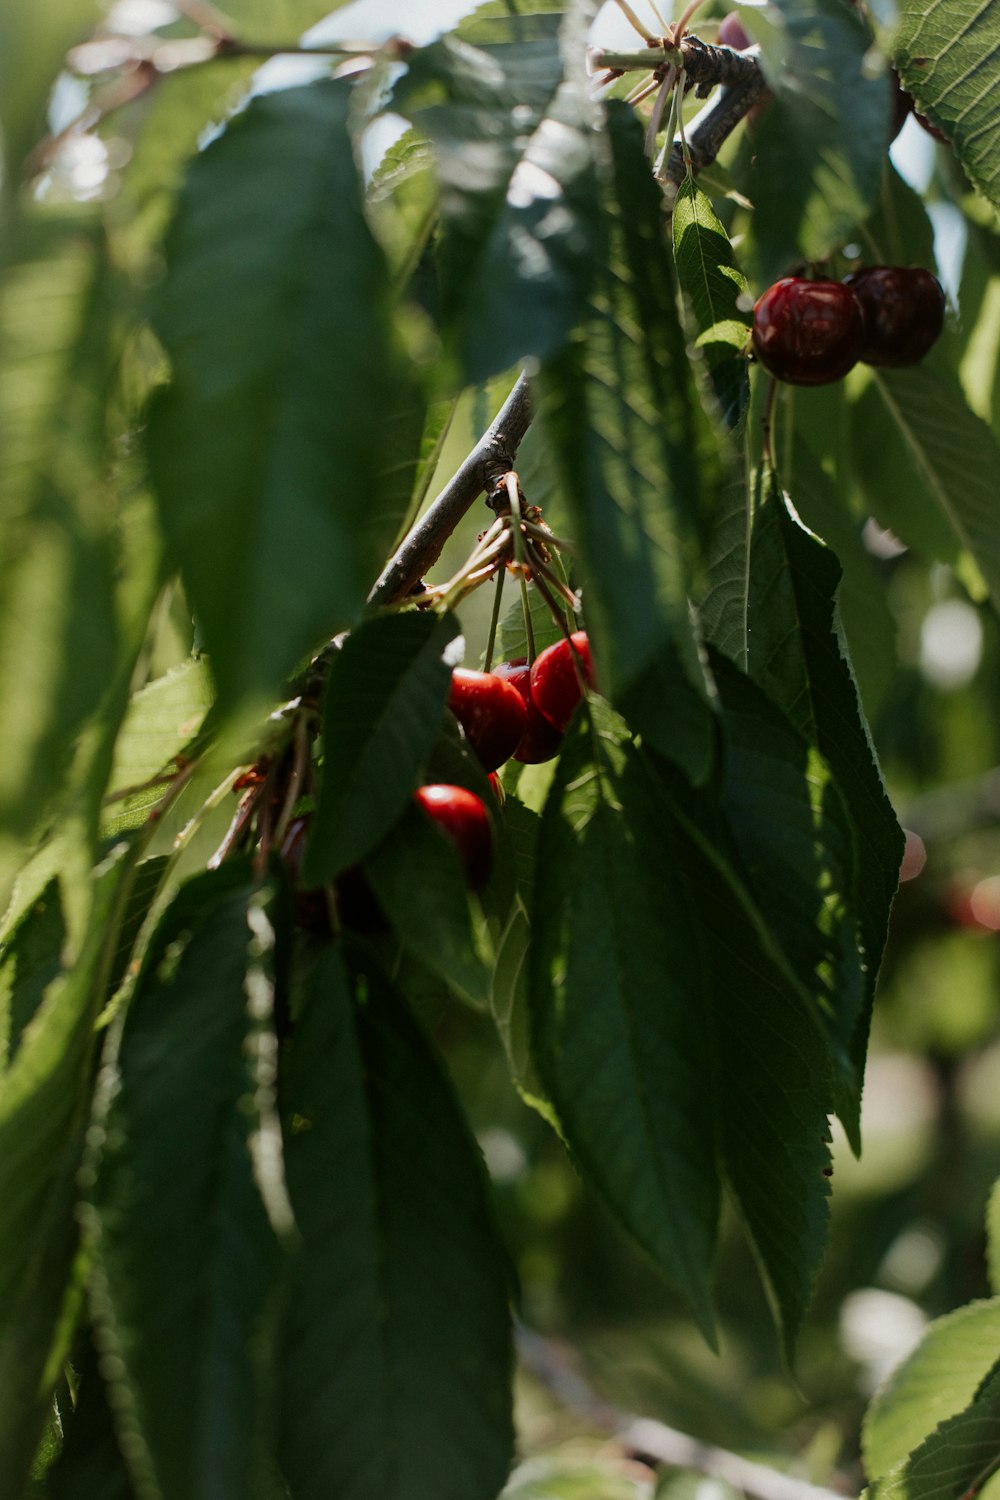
(422, 889)
(813, 165)
(521, 224)
(794, 650)
(268, 448)
(385, 697)
(956, 1458)
(947, 53)
(797, 847)
(90, 1463)
(638, 461)
(398, 1344)
(719, 296)
(29, 961)
(953, 453)
(44, 1099)
(869, 624)
(188, 1259)
(935, 1382)
(659, 999)
(621, 1038)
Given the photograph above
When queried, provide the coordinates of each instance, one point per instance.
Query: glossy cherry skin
(557, 677)
(540, 741)
(490, 711)
(903, 308)
(463, 818)
(808, 332)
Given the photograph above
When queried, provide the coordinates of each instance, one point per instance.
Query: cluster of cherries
(515, 712)
(811, 332)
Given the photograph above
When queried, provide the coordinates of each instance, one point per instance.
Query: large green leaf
(658, 998)
(188, 1259)
(957, 1458)
(43, 1115)
(57, 625)
(385, 697)
(954, 455)
(779, 584)
(514, 146)
(948, 55)
(162, 718)
(719, 296)
(622, 1043)
(639, 465)
(993, 1238)
(396, 1378)
(34, 40)
(268, 447)
(813, 165)
(935, 1382)
(800, 864)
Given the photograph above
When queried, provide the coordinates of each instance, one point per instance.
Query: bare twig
(642, 1437)
(492, 456)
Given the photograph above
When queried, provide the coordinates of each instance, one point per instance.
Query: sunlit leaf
(268, 447)
(719, 296)
(947, 52)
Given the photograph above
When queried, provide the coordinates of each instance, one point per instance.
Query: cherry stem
(300, 759)
(766, 422)
(512, 485)
(633, 20)
(494, 620)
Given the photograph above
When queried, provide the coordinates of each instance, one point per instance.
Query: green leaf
(34, 40)
(29, 962)
(947, 53)
(799, 862)
(267, 449)
(718, 294)
(44, 1098)
(90, 1462)
(779, 583)
(187, 1257)
(638, 461)
(869, 624)
(385, 697)
(954, 454)
(620, 1034)
(422, 889)
(956, 1458)
(57, 623)
(514, 146)
(161, 719)
(814, 163)
(396, 1379)
(675, 1044)
(993, 1238)
(937, 1381)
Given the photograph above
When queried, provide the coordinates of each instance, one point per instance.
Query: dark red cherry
(463, 818)
(540, 741)
(558, 675)
(732, 33)
(903, 309)
(490, 711)
(808, 332)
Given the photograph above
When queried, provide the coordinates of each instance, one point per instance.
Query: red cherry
(903, 308)
(491, 713)
(732, 33)
(808, 332)
(463, 818)
(557, 678)
(540, 740)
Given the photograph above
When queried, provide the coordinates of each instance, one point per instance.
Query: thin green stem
(494, 621)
